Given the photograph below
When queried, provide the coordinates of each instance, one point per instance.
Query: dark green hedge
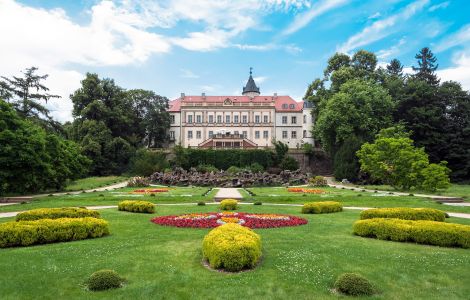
(223, 159)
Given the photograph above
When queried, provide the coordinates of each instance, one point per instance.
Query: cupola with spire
(251, 89)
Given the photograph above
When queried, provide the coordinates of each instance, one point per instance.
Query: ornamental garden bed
(214, 219)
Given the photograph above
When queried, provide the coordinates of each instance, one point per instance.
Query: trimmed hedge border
(324, 207)
(405, 213)
(56, 213)
(26, 233)
(228, 204)
(137, 206)
(232, 247)
(421, 232)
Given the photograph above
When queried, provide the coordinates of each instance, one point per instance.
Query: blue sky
(195, 46)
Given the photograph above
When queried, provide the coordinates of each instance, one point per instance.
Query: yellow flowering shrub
(228, 204)
(405, 213)
(56, 213)
(137, 206)
(232, 247)
(321, 207)
(25, 233)
(422, 232)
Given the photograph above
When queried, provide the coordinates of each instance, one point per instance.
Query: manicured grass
(347, 198)
(456, 190)
(93, 182)
(298, 262)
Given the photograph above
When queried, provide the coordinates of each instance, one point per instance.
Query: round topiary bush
(104, 280)
(201, 203)
(353, 284)
(228, 204)
(232, 247)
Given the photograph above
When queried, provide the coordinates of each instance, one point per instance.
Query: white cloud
(260, 79)
(375, 16)
(381, 28)
(317, 9)
(185, 73)
(290, 48)
(460, 37)
(460, 72)
(394, 50)
(439, 6)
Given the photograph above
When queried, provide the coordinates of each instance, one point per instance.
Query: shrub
(405, 213)
(137, 206)
(206, 168)
(422, 232)
(201, 203)
(44, 231)
(233, 170)
(146, 162)
(258, 203)
(228, 204)
(138, 182)
(56, 213)
(322, 207)
(256, 168)
(289, 163)
(232, 247)
(104, 280)
(353, 284)
(318, 181)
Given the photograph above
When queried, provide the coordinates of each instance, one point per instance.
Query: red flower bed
(209, 220)
(150, 191)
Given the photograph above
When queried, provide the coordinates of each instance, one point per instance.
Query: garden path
(14, 213)
(227, 193)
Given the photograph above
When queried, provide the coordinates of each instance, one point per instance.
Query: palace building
(250, 120)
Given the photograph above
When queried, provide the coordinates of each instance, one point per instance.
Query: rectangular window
(244, 119)
(265, 134)
(284, 134)
(284, 119)
(256, 119)
(172, 135)
(235, 119)
(172, 119)
(227, 119)
(257, 134)
(211, 119)
(198, 134)
(294, 120)
(190, 118)
(198, 119)
(211, 133)
(305, 133)
(291, 106)
(219, 119)
(293, 134)
(245, 134)
(190, 134)
(265, 119)
(305, 119)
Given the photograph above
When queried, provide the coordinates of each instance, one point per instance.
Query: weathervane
(251, 70)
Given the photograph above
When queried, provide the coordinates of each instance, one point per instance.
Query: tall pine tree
(426, 66)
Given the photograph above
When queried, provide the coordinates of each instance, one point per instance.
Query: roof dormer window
(291, 106)
(284, 106)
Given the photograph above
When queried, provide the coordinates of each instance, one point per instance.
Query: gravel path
(228, 193)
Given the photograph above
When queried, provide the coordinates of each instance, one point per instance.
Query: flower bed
(149, 191)
(308, 191)
(209, 220)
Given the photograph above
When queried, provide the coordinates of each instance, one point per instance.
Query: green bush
(256, 168)
(104, 280)
(201, 203)
(137, 206)
(228, 204)
(233, 170)
(405, 213)
(146, 162)
(318, 181)
(206, 168)
(321, 207)
(421, 232)
(258, 203)
(353, 284)
(232, 247)
(56, 213)
(44, 231)
(289, 163)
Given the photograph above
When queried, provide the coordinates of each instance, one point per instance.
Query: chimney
(203, 95)
(275, 95)
(182, 95)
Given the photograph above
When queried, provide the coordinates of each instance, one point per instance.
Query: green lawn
(93, 182)
(298, 262)
(456, 190)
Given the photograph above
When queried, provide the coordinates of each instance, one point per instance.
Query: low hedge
(44, 231)
(324, 207)
(137, 206)
(405, 213)
(353, 284)
(56, 213)
(422, 232)
(228, 204)
(232, 247)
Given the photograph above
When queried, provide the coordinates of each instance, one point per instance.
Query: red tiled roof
(175, 105)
